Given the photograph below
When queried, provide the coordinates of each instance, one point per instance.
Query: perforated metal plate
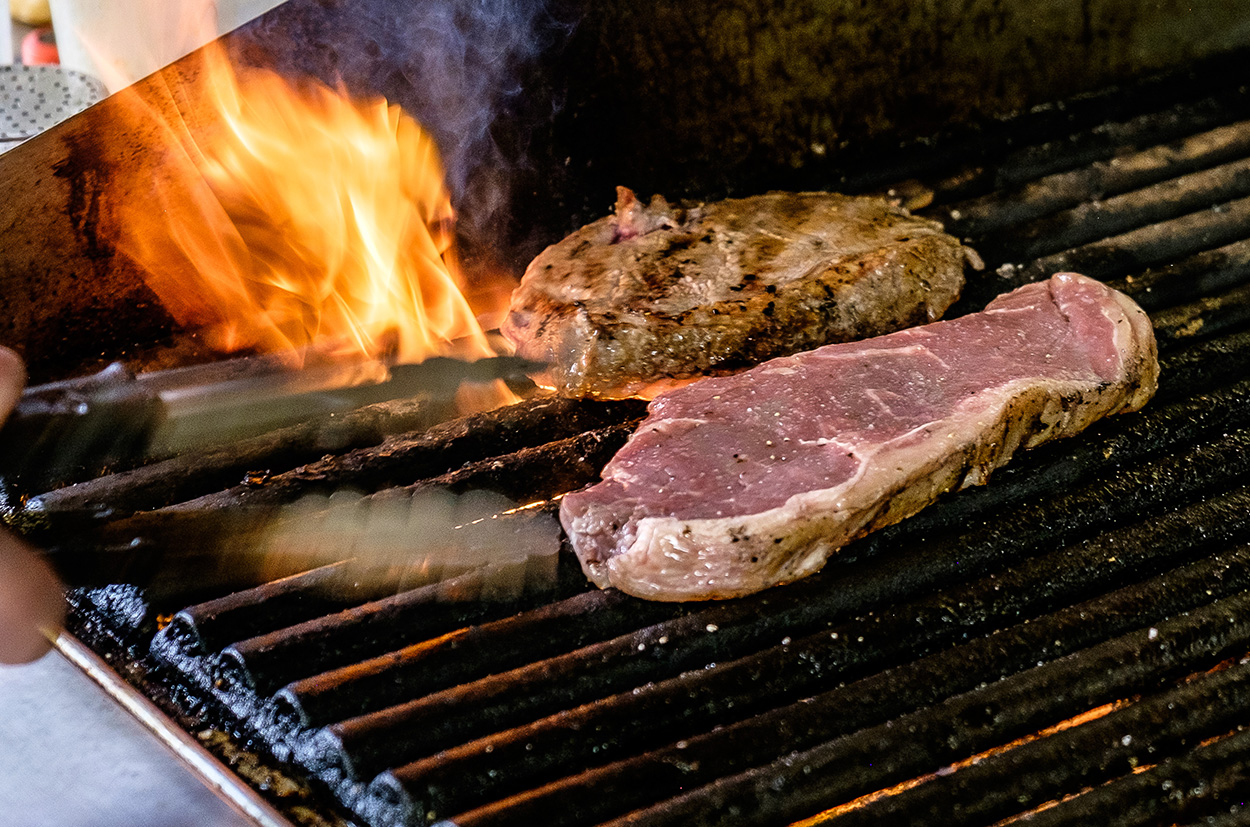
(34, 98)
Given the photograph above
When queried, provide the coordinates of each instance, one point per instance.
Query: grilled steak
(657, 293)
(733, 484)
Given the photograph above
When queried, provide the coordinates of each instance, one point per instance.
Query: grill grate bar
(1112, 176)
(1118, 255)
(464, 654)
(266, 662)
(536, 473)
(1100, 127)
(1052, 139)
(1189, 279)
(210, 626)
(1205, 317)
(1094, 220)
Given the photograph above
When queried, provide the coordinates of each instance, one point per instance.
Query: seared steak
(659, 293)
(733, 484)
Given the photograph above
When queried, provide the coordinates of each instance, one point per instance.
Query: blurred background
(119, 41)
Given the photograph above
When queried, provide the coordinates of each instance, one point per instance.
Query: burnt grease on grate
(1066, 639)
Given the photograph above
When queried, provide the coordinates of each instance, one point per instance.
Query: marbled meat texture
(734, 484)
(656, 293)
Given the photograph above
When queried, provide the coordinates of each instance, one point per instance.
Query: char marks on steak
(734, 484)
(655, 294)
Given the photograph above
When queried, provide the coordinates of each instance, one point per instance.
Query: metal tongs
(67, 431)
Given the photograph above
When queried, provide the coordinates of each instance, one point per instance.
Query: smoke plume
(457, 66)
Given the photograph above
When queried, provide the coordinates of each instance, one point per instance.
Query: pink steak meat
(737, 483)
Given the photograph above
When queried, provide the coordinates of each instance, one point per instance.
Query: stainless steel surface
(72, 757)
(242, 798)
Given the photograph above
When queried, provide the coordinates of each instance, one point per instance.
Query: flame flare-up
(305, 220)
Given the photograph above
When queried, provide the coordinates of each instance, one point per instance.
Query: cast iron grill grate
(1067, 642)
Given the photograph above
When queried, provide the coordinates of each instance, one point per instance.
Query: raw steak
(733, 484)
(658, 293)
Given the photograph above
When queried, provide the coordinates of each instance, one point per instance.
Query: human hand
(31, 604)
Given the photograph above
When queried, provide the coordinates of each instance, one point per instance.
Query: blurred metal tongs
(79, 428)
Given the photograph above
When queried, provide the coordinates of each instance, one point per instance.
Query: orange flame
(300, 218)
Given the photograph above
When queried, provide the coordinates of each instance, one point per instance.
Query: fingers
(12, 380)
(31, 606)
